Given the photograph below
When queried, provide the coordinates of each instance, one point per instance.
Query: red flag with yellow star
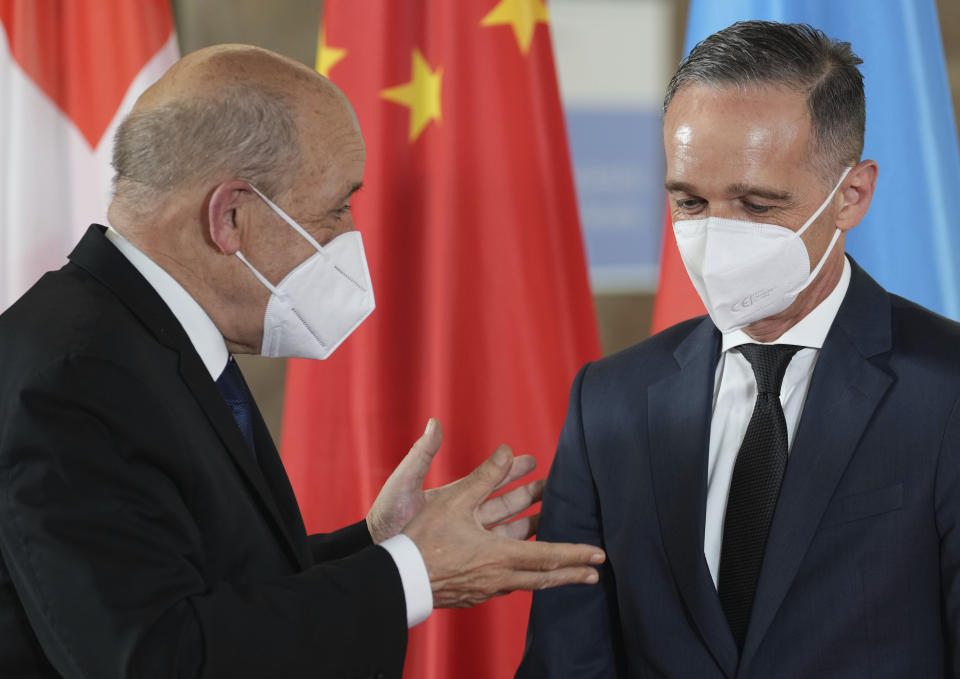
(483, 309)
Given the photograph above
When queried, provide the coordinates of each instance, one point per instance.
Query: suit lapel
(276, 476)
(197, 378)
(845, 389)
(103, 261)
(679, 413)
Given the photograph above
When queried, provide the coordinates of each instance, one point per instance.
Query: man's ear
(225, 232)
(857, 192)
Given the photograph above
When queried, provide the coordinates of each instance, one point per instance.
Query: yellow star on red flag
(522, 15)
(327, 56)
(421, 95)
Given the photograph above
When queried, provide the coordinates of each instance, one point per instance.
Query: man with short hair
(777, 486)
(147, 526)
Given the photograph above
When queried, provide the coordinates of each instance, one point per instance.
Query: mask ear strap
(287, 218)
(823, 260)
(267, 284)
(823, 205)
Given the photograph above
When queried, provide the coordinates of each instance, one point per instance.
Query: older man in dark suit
(147, 527)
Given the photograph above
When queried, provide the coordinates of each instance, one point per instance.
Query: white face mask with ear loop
(748, 271)
(320, 302)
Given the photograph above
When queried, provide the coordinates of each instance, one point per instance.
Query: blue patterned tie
(236, 394)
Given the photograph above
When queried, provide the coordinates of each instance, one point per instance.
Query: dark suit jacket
(139, 536)
(861, 576)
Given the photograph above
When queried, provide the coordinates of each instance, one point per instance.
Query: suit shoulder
(660, 345)
(917, 330)
(66, 313)
(650, 356)
(62, 307)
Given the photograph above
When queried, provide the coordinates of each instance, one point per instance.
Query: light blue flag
(910, 238)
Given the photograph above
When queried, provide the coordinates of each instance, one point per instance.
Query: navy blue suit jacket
(861, 576)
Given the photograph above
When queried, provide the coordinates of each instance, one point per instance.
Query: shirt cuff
(413, 574)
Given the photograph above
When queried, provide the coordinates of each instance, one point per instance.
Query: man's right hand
(468, 563)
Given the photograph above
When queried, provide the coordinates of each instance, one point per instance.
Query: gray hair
(241, 132)
(796, 56)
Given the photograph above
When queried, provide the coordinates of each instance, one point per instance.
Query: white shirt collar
(812, 329)
(203, 334)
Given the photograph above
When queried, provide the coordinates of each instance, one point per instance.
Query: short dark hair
(790, 55)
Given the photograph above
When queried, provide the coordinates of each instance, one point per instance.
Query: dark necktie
(754, 488)
(238, 398)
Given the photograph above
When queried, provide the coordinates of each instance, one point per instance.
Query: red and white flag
(70, 70)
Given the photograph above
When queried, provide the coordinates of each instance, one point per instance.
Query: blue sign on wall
(618, 169)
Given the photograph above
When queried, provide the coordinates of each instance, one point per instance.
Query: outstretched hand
(402, 496)
(471, 547)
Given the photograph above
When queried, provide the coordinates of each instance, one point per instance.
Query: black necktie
(755, 486)
(237, 396)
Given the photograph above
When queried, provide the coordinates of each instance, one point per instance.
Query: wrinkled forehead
(329, 128)
(333, 152)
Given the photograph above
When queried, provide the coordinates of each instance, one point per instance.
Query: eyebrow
(672, 185)
(353, 189)
(745, 189)
(345, 196)
(733, 191)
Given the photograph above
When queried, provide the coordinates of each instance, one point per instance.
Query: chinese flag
(483, 309)
(70, 71)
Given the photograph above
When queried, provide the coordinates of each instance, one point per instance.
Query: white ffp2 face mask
(747, 271)
(318, 304)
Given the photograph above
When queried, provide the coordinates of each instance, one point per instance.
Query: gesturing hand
(402, 496)
(467, 561)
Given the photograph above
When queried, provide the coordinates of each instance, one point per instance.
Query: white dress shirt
(212, 348)
(735, 393)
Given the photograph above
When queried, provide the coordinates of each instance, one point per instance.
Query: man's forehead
(327, 117)
(737, 107)
(737, 134)
(331, 137)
